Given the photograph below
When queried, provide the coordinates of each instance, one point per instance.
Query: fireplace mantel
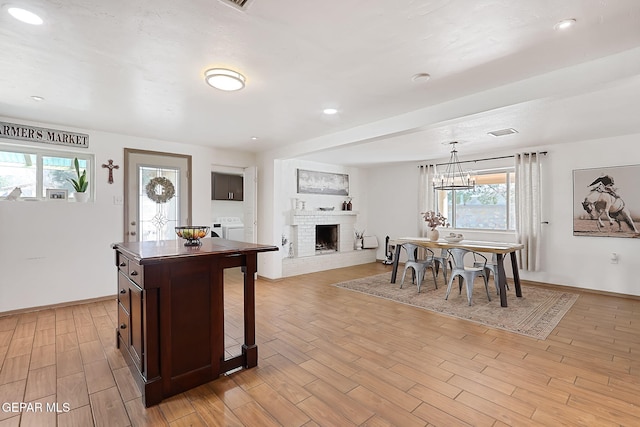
(299, 212)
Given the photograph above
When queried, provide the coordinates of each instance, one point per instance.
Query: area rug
(535, 314)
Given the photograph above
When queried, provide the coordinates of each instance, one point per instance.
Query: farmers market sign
(43, 135)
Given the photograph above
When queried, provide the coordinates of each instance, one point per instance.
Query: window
(34, 171)
(489, 206)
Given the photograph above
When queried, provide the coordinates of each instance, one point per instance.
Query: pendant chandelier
(454, 177)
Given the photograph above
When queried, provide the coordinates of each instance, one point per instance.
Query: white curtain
(529, 208)
(426, 198)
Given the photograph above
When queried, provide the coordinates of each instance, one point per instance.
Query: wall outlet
(614, 258)
(118, 200)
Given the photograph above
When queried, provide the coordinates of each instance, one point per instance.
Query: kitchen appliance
(231, 226)
(216, 230)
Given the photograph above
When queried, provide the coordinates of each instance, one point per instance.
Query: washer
(232, 228)
(216, 230)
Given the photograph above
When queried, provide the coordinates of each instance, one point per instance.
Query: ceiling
(137, 68)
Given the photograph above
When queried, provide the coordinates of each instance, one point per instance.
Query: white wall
(55, 252)
(581, 262)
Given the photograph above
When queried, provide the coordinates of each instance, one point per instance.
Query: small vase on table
(433, 234)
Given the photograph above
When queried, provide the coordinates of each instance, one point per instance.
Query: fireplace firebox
(326, 238)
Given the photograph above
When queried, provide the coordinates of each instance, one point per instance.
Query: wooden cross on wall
(111, 167)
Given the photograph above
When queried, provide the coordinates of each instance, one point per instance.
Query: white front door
(157, 194)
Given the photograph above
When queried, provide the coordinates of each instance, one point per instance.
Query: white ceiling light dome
(564, 24)
(25, 16)
(224, 79)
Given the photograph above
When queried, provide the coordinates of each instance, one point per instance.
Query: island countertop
(152, 252)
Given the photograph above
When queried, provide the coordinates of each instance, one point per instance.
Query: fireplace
(326, 238)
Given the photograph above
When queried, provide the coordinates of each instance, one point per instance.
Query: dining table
(498, 248)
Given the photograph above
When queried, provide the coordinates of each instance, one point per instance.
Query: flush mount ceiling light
(330, 111)
(453, 178)
(25, 16)
(224, 79)
(420, 77)
(37, 98)
(564, 24)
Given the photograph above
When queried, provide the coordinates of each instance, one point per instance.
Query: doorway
(157, 195)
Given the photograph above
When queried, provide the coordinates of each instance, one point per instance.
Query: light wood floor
(333, 357)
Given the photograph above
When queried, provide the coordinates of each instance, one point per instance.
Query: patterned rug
(535, 315)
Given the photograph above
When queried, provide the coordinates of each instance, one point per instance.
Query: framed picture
(57, 194)
(606, 201)
(312, 182)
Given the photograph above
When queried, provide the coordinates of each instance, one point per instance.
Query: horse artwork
(603, 211)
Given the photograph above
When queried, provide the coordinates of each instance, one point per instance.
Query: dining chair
(466, 274)
(490, 267)
(441, 262)
(418, 266)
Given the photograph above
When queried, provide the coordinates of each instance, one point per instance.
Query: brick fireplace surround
(303, 237)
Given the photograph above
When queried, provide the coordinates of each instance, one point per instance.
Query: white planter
(81, 197)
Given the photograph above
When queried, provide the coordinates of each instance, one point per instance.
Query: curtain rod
(490, 158)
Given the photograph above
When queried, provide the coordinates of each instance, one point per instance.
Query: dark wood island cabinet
(171, 312)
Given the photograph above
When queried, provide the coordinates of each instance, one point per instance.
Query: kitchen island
(171, 312)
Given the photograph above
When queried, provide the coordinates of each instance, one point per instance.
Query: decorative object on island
(192, 234)
(80, 184)
(311, 182)
(358, 241)
(433, 220)
(454, 177)
(171, 313)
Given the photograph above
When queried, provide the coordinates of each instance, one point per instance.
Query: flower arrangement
(433, 219)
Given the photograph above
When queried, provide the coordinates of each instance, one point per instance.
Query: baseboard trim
(59, 305)
(576, 289)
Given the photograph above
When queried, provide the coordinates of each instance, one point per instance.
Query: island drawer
(123, 263)
(136, 273)
(123, 325)
(123, 292)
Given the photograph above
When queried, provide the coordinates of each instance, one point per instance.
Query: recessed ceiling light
(503, 132)
(254, 138)
(37, 98)
(330, 111)
(564, 24)
(421, 77)
(224, 79)
(25, 16)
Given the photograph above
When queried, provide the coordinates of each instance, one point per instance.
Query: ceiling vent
(503, 132)
(237, 4)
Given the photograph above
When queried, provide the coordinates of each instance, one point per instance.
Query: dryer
(231, 226)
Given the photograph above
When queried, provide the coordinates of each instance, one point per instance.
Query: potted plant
(433, 220)
(80, 184)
